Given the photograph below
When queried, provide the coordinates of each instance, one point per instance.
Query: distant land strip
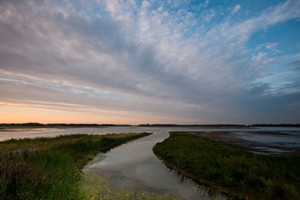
(75, 125)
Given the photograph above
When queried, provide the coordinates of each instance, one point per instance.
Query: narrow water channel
(134, 165)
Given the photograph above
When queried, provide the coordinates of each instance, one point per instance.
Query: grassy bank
(232, 170)
(50, 168)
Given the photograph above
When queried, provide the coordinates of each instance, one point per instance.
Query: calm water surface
(135, 166)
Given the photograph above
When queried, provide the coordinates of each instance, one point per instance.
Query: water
(52, 132)
(135, 166)
(284, 138)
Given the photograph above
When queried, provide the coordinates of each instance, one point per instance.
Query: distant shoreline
(78, 125)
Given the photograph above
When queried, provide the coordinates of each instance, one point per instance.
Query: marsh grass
(50, 168)
(99, 187)
(230, 169)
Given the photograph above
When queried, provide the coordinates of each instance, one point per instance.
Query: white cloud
(236, 9)
(205, 3)
(261, 59)
(208, 15)
(273, 47)
(241, 31)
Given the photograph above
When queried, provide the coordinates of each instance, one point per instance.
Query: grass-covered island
(232, 170)
(50, 168)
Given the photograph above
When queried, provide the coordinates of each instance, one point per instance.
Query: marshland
(190, 163)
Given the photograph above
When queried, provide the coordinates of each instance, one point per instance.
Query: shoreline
(43, 168)
(217, 190)
(229, 169)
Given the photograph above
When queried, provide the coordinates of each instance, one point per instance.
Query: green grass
(50, 168)
(99, 187)
(230, 169)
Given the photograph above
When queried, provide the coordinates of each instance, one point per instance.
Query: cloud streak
(147, 58)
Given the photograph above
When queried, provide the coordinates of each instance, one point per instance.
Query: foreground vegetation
(50, 168)
(99, 187)
(232, 170)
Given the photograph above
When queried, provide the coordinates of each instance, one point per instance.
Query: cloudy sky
(150, 61)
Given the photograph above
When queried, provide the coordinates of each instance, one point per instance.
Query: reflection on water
(282, 137)
(134, 165)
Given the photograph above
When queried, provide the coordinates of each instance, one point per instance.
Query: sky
(150, 61)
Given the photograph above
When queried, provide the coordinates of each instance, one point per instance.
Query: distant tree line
(220, 125)
(53, 125)
(276, 125)
(194, 125)
(70, 125)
